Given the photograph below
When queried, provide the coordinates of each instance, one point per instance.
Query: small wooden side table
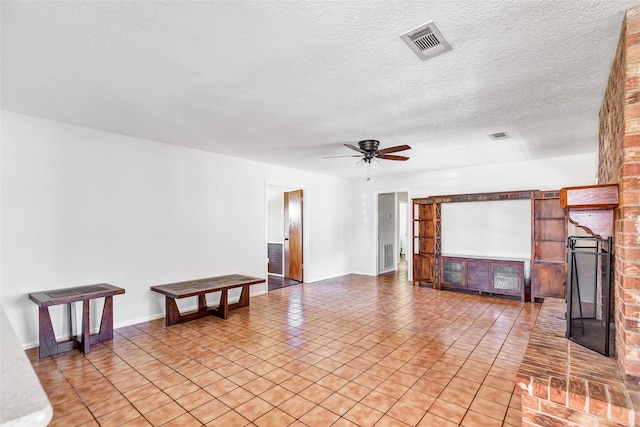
(49, 346)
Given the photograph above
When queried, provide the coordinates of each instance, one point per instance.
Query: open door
(293, 235)
(386, 232)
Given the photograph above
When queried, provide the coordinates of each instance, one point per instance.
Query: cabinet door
(423, 268)
(507, 277)
(547, 280)
(549, 267)
(452, 272)
(478, 274)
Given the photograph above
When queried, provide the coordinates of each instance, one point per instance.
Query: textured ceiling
(288, 82)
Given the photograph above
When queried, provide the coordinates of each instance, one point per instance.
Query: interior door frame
(305, 225)
(376, 196)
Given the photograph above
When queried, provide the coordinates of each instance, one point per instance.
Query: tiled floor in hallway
(356, 350)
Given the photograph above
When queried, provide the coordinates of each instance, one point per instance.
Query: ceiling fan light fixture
(370, 154)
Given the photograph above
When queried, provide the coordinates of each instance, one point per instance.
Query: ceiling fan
(370, 154)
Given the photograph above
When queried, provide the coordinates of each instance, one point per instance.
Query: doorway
(386, 232)
(284, 236)
(392, 241)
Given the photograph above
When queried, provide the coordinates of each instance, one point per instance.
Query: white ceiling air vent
(499, 135)
(426, 41)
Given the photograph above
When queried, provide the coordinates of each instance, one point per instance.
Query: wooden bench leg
(244, 299)
(86, 330)
(223, 308)
(106, 324)
(172, 316)
(202, 303)
(73, 322)
(48, 343)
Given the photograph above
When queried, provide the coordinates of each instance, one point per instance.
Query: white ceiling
(288, 82)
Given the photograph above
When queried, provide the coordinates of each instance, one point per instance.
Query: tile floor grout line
(398, 329)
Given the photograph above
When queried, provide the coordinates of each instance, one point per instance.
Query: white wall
(275, 213)
(82, 206)
(544, 174)
(499, 229)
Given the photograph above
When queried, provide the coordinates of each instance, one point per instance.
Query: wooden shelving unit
(426, 241)
(549, 246)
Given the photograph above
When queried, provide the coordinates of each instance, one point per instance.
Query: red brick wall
(619, 162)
(611, 121)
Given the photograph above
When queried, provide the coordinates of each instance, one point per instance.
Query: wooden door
(549, 269)
(293, 235)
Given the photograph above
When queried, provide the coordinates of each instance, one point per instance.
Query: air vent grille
(426, 41)
(499, 135)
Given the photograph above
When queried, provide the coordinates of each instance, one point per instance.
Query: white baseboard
(362, 273)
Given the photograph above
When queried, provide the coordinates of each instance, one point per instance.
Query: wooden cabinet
(549, 267)
(504, 277)
(426, 241)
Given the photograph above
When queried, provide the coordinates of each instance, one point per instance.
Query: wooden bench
(201, 288)
(48, 343)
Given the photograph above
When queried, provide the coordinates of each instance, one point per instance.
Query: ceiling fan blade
(394, 149)
(335, 157)
(392, 157)
(353, 147)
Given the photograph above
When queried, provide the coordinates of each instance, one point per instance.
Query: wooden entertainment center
(495, 275)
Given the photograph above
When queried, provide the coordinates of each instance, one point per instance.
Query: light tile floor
(352, 351)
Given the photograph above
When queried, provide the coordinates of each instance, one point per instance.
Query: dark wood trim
(547, 194)
(478, 197)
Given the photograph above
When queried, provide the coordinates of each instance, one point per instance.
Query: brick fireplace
(619, 163)
(563, 383)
